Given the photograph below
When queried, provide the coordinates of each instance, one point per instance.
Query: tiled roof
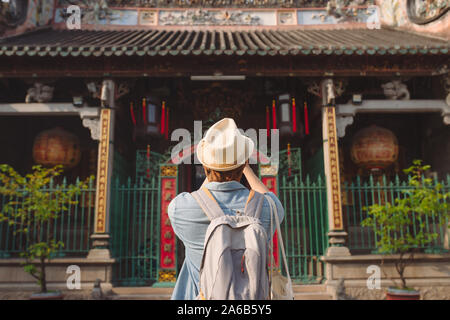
(51, 42)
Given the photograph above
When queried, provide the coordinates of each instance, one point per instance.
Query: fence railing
(135, 231)
(305, 226)
(362, 193)
(73, 227)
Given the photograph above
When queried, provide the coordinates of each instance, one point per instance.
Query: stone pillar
(100, 237)
(337, 235)
(447, 238)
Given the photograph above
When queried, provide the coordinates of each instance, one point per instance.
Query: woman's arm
(254, 181)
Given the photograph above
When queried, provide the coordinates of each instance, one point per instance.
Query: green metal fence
(135, 231)
(305, 226)
(73, 227)
(314, 165)
(361, 193)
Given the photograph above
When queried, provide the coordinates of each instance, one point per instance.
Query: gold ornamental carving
(334, 167)
(167, 276)
(102, 171)
(268, 170)
(169, 171)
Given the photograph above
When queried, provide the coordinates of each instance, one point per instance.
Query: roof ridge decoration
(426, 11)
(99, 12)
(221, 3)
(208, 17)
(17, 16)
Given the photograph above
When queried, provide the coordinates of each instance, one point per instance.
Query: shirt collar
(224, 186)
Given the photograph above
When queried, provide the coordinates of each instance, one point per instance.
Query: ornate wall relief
(218, 13)
(426, 11)
(396, 90)
(424, 16)
(208, 17)
(17, 16)
(392, 12)
(12, 14)
(287, 18)
(148, 17)
(39, 92)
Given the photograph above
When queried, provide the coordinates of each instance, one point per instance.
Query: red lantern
(274, 115)
(374, 148)
(57, 147)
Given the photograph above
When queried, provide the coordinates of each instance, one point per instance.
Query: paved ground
(25, 295)
(304, 292)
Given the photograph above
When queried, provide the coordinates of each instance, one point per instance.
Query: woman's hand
(247, 169)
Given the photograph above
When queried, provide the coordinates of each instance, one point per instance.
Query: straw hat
(224, 147)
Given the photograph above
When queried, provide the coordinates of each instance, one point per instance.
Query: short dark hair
(224, 176)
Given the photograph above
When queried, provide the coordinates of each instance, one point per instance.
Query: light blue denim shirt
(189, 223)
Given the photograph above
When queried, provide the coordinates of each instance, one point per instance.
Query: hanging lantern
(145, 117)
(57, 147)
(374, 148)
(151, 116)
(288, 110)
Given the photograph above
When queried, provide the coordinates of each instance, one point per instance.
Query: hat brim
(250, 146)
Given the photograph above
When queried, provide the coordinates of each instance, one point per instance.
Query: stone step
(311, 292)
(141, 297)
(309, 288)
(142, 290)
(312, 296)
(141, 293)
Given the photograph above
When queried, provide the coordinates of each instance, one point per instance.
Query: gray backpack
(234, 263)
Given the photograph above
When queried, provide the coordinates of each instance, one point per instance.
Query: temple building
(357, 89)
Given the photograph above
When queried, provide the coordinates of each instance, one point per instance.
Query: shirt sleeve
(179, 224)
(188, 223)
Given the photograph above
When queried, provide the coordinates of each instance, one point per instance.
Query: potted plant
(32, 208)
(401, 227)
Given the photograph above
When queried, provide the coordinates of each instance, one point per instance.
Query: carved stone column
(337, 234)
(100, 237)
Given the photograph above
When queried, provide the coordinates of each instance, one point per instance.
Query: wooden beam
(47, 109)
(184, 66)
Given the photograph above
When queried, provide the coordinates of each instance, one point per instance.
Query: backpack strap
(254, 204)
(208, 203)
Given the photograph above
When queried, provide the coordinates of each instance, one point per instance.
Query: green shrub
(31, 204)
(401, 227)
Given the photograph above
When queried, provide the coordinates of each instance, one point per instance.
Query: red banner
(271, 184)
(167, 236)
